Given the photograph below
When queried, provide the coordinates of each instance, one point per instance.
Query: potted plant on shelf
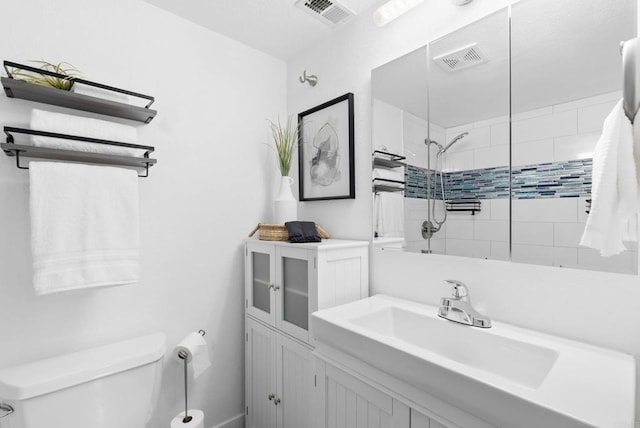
(68, 71)
(285, 140)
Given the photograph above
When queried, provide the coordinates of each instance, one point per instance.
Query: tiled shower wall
(552, 148)
(551, 153)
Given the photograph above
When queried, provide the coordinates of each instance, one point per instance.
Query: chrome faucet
(458, 307)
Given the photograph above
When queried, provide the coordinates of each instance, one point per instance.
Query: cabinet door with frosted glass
(294, 286)
(260, 282)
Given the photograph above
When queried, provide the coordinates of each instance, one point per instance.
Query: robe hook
(312, 79)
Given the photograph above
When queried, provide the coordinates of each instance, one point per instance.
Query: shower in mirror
(432, 225)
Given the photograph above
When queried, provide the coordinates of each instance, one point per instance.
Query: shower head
(453, 141)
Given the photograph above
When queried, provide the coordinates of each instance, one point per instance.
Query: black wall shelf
(387, 160)
(15, 88)
(28, 151)
(471, 206)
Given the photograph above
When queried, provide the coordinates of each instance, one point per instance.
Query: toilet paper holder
(183, 355)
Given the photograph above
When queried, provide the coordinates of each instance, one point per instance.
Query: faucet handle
(459, 291)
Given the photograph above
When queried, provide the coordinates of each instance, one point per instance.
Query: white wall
(209, 189)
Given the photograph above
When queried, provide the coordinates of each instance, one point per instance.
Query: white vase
(285, 204)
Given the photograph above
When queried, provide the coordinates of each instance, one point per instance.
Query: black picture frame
(326, 166)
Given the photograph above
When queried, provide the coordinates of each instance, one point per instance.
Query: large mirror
(482, 140)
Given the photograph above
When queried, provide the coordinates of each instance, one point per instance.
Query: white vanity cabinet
(284, 284)
(346, 401)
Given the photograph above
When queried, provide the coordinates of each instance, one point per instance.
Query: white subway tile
(459, 229)
(460, 247)
(567, 234)
(533, 152)
(582, 209)
(542, 127)
(499, 250)
(585, 102)
(499, 208)
(533, 254)
(532, 233)
(492, 121)
(579, 146)
(491, 230)
(481, 249)
(559, 210)
(460, 128)
(590, 119)
(532, 113)
(491, 157)
(565, 257)
(500, 134)
(437, 128)
(626, 262)
(458, 161)
(477, 138)
(438, 246)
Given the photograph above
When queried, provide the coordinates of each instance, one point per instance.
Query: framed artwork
(325, 158)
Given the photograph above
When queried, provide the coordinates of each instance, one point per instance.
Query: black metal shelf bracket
(18, 150)
(472, 206)
(16, 88)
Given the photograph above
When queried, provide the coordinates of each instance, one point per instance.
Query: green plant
(63, 68)
(285, 139)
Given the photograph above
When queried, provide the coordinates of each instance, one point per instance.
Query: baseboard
(234, 422)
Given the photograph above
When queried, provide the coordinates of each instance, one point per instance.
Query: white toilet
(113, 386)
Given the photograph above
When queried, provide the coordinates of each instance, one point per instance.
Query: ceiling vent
(330, 12)
(462, 58)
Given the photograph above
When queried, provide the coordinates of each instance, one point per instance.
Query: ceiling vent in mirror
(462, 58)
(330, 12)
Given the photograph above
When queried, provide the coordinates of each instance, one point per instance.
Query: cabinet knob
(276, 287)
(271, 396)
(270, 286)
(276, 401)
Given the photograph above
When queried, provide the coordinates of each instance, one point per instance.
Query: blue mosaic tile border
(564, 179)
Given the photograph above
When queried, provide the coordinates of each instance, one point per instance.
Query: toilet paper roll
(197, 352)
(197, 420)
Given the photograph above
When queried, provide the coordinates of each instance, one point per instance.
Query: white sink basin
(515, 360)
(506, 375)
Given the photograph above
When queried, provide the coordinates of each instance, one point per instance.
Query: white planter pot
(286, 206)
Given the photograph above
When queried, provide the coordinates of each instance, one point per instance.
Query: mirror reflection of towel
(389, 211)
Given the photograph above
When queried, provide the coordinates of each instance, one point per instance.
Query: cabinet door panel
(295, 379)
(353, 404)
(259, 282)
(295, 275)
(418, 420)
(261, 382)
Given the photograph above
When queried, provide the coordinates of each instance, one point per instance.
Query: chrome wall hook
(311, 79)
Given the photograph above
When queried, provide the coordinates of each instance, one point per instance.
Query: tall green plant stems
(63, 68)
(285, 138)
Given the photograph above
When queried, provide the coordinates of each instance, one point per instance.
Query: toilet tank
(113, 386)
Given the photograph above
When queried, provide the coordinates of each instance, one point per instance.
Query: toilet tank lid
(44, 376)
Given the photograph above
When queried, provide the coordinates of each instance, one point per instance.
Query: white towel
(389, 209)
(84, 226)
(104, 94)
(83, 127)
(614, 188)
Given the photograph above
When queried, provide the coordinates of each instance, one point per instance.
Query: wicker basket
(278, 232)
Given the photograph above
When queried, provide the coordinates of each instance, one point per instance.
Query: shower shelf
(386, 185)
(29, 151)
(15, 88)
(390, 160)
(463, 206)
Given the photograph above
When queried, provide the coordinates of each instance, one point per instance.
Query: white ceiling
(276, 27)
